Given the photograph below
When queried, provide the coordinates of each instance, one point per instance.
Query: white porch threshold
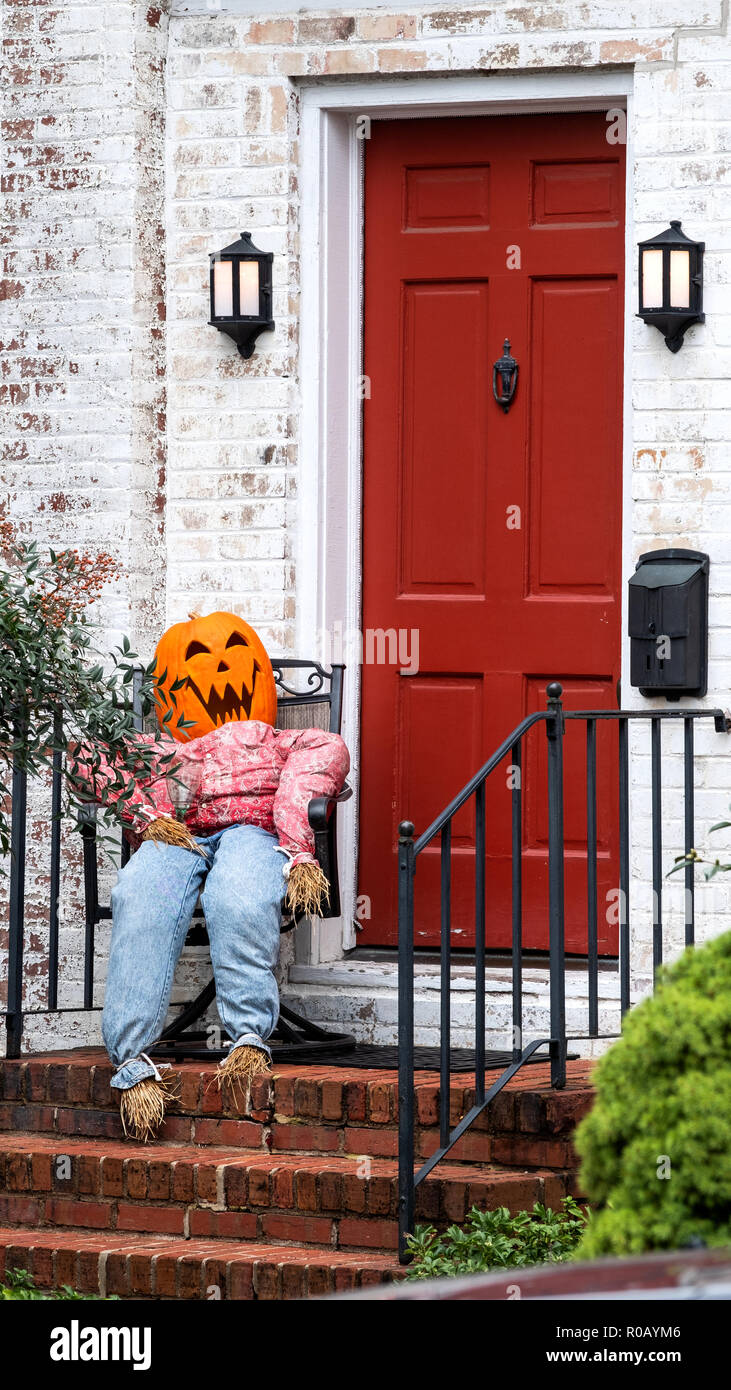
(361, 997)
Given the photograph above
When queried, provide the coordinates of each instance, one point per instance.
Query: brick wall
(233, 158)
(83, 336)
(83, 340)
(233, 162)
(137, 141)
(232, 435)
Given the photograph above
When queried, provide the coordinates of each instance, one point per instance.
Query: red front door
(490, 539)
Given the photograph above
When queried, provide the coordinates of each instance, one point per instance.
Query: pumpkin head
(218, 670)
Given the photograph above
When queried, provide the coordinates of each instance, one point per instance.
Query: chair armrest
(318, 810)
(321, 816)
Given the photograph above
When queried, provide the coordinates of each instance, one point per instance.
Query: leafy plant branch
(59, 695)
(714, 866)
(497, 1240)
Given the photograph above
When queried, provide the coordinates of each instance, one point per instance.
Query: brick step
(343, 1201)
(296, 1197)
(327, 1110)
(159, 1267)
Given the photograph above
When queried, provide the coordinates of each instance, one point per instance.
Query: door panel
(426, 701)
(577, 194)
(576, 481)
(453, 196)
(443, 550)
(493, 537)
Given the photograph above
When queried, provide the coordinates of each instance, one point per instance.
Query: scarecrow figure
(244, 844)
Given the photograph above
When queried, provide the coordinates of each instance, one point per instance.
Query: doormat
(339, 1052)
(364, 1056)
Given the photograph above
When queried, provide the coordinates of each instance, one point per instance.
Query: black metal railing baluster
(480, 848)
(517, 896)
(138, 718)
(624, 960)
(555, 730)
(55, 869)
(138, 723)
(445, 984)
(591, 879)
(688, 754)
(406, 864)
(91, 902)
(16, 921)
(656, 845)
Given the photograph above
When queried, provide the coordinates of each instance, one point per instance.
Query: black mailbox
(668, 623)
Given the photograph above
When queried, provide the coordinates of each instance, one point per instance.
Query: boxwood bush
(656, 1147)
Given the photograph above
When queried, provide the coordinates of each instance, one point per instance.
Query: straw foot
(240, 1068)
(143, 1106)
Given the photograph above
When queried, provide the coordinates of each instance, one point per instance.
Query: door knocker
(506, 371)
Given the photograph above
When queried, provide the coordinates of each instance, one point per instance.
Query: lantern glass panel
(652, 279)
(249, 289)
(223, 289)
(680, 279)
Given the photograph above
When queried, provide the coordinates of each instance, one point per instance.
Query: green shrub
(656, 1147)
(497, 1240)
(19, 1286)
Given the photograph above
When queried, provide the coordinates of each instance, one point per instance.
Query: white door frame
(328, 545)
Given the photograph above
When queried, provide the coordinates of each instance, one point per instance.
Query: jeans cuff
(131, 1072)
(249, 1040)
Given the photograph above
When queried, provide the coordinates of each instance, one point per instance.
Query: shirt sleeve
(139, 800)
(316, 765)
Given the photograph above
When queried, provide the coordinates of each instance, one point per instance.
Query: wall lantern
(671, 283)
(241, 292)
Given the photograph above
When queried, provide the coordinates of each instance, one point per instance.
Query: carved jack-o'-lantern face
(220, 671)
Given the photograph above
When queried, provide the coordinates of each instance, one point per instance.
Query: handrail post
(91, 901)
(517, 896)
(555, 733)
(14, 1017)
(55, 870)
(445, 992)
(406, 868)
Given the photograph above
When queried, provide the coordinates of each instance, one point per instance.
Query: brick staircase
(297, 1199)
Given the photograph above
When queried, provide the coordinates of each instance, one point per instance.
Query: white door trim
(328, 544)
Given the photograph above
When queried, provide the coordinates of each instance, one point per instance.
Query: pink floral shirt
(250, 773)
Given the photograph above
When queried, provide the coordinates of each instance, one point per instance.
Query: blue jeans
(243, 885)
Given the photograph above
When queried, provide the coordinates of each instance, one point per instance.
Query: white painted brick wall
(226, 66)
(134, 145)
(83, 347)
(83, 370)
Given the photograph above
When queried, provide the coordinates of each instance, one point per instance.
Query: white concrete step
(361, 996)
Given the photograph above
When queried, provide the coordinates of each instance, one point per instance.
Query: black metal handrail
(554, 719)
